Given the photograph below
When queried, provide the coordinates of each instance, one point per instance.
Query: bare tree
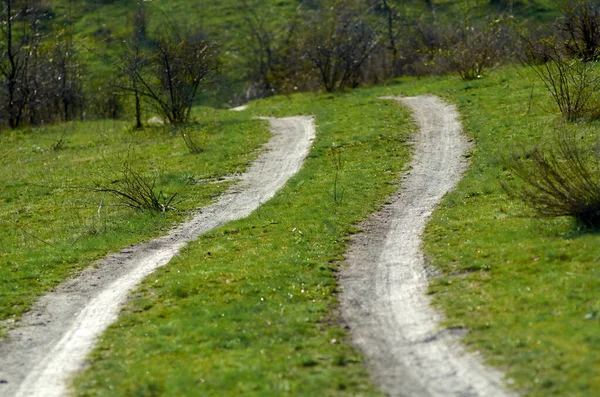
(134, 58)
(39, 73)
(170, 74)
(273, 53)
(14, 57)
(179, 66)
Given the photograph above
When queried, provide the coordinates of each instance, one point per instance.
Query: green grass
(526, 289)
(49, 231)
(247, 309)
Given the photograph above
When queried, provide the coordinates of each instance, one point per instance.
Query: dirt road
(384, 285)
(51, 343)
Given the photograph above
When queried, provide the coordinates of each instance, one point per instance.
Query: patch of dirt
(384, 283)
(51, 342)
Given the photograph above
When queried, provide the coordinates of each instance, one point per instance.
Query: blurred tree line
(325, 45)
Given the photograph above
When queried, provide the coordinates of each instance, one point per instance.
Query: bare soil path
(384, 286)
(52, 341)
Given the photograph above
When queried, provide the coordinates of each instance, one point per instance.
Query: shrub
(571, 82)
(169, 74)
(471, 48)
(562, 179)
(338, 43)
(580, 24)
(272, 54)
(135, 190)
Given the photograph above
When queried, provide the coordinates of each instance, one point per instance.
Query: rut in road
(40, 356)
(384, 284)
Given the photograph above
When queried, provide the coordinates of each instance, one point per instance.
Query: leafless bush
(473, 47)
(170, 73)
(135, 190)
(272, 53)
(572, 83)
(562, 179)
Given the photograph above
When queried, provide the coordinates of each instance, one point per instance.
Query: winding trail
(52, 341)
(384, 285)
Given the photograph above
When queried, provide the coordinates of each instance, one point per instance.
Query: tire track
(52, 341)
(384, 286)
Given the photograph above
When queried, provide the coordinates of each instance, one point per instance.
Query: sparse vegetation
(246, 307)
(136, 190)
(338, 43)
(579, 28)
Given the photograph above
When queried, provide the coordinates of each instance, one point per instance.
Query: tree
(170, 73)
(39, 74)
(134, 59)
(14, 57)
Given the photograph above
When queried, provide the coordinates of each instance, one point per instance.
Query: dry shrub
(572, 83)
(562, 179)
(136, 190)
(338, 42)
(470, 49)
(580, 28)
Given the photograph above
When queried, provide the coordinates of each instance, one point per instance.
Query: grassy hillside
(250, 308)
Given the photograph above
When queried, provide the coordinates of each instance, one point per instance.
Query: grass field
(51, 229)
(250, 307)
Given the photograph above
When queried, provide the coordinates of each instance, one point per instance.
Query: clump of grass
(136, 190)
(191, 143)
